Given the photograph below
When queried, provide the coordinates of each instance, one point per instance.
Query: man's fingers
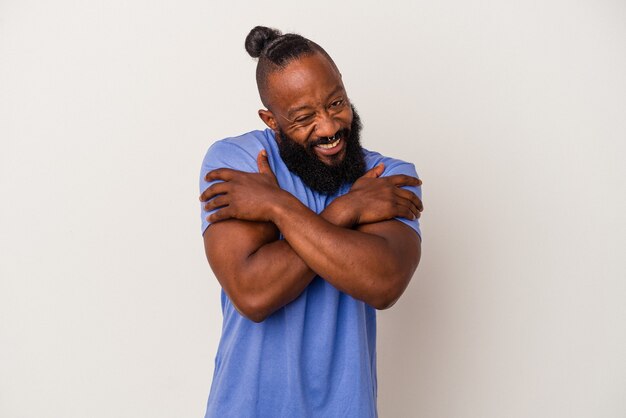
(225, 174)
(411, 197)
(262, 163)
(406, 213)
(375, 172)
(217, 202)
(408, 205)
(404, 180)
(220, 215)
(214, 190)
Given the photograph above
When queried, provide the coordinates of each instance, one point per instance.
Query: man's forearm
(261, 273)
(374, 268)
(274, 274)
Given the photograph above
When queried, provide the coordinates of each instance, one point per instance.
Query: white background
(513, 112)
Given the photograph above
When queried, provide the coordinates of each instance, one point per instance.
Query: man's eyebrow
(297, 109)
(290, 112)
(338, 89)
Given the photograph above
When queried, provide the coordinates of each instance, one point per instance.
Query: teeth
(331, 145)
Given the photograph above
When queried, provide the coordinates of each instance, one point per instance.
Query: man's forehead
(306, 79)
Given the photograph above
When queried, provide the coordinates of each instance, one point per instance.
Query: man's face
(322, 177)
(316, 128)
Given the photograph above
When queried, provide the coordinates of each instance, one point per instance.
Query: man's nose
(326, 125)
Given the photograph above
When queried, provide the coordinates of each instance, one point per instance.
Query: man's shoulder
(392, 165)
(237, 151)
(246, 142)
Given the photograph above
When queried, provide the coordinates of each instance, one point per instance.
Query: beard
(323, 178)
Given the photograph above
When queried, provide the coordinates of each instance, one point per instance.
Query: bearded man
(308, 234)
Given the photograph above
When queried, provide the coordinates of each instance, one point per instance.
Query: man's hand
(374, 199)
(250, 196)
(240, 195)
(261, 273)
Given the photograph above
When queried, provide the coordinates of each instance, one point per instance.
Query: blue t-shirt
(314, 357)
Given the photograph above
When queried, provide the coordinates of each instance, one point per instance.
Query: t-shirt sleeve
(223, 154)
(401, 167)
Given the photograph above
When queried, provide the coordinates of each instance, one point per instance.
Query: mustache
(340, 134)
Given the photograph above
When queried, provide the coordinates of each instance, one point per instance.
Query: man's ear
(269, 119)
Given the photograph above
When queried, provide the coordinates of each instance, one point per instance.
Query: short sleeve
(224, 154)
(400, 167)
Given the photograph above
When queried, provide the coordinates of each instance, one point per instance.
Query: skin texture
(355, 243)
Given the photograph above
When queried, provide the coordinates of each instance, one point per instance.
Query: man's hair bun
(258, 39)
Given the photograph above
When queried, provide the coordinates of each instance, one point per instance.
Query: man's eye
(303, 119)
(337, 103)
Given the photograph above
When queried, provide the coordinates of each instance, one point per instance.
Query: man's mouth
(330, 145)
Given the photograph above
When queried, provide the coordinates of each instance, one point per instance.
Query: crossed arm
(355, 243)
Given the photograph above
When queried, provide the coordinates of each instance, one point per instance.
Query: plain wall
(514, 114)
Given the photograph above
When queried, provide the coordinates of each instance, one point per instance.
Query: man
(309, 234)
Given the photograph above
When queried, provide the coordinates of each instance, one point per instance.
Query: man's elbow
(251, 307)
(385, 300)
(393, 286)
(257, 315)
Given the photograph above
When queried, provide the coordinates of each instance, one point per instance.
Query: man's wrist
(340, 212)
(280, 205)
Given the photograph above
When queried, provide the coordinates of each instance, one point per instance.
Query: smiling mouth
(330, 145)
